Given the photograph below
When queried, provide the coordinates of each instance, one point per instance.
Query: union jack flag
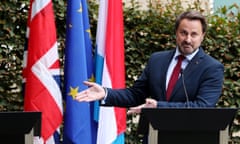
(41, 70)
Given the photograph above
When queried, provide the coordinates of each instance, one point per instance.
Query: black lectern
(14, 126)
(186, 125)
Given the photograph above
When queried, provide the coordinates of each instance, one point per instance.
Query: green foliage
(146, 31)
(12, 34)
(223, 42)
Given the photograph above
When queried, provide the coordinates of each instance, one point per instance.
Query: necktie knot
(181, 58)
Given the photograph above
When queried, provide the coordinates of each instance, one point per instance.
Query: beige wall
(205, 4)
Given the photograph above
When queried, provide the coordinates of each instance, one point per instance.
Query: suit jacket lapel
(193, 64)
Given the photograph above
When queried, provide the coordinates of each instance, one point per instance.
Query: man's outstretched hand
(93, 93)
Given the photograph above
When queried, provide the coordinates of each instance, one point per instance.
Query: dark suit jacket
(203, 79)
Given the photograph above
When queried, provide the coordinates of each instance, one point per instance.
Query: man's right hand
(93, 93)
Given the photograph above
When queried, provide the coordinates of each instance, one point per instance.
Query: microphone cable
(185, 89)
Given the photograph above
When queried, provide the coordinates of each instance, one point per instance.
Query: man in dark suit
(199, 83)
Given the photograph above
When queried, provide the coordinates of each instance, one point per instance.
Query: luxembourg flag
(110, 69)
(41, 71)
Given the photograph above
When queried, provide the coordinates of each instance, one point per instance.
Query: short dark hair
(192, 15)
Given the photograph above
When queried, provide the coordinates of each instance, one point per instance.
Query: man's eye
(183, 33)
(194, 34)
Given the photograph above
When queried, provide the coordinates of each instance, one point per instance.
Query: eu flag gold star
(91, 79)
(73, 92)
(89, 32)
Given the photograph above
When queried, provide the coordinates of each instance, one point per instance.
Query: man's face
(189, 36)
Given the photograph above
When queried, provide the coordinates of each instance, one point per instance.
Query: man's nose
(188, 38)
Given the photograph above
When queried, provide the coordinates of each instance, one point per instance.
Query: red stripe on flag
(115, 54)
(55, 65)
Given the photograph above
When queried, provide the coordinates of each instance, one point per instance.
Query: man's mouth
(187, 46)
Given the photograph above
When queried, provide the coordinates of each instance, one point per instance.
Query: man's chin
(187, 50)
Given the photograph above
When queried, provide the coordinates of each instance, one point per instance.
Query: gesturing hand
(93, 93)
(150, 103)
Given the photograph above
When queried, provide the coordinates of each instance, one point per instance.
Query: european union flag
(79, 126)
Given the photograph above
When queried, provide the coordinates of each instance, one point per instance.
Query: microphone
(185, 89)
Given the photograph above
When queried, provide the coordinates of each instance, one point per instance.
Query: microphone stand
(185, 90)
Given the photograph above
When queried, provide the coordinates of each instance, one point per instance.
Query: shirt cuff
(106, 93)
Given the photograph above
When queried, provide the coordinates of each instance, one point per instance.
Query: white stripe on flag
(107, 131)
(38, 5)
(101, 27)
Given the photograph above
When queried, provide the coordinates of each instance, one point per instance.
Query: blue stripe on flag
(119, 139)
(99, 67)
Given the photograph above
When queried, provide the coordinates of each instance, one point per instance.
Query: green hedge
(145, 32)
